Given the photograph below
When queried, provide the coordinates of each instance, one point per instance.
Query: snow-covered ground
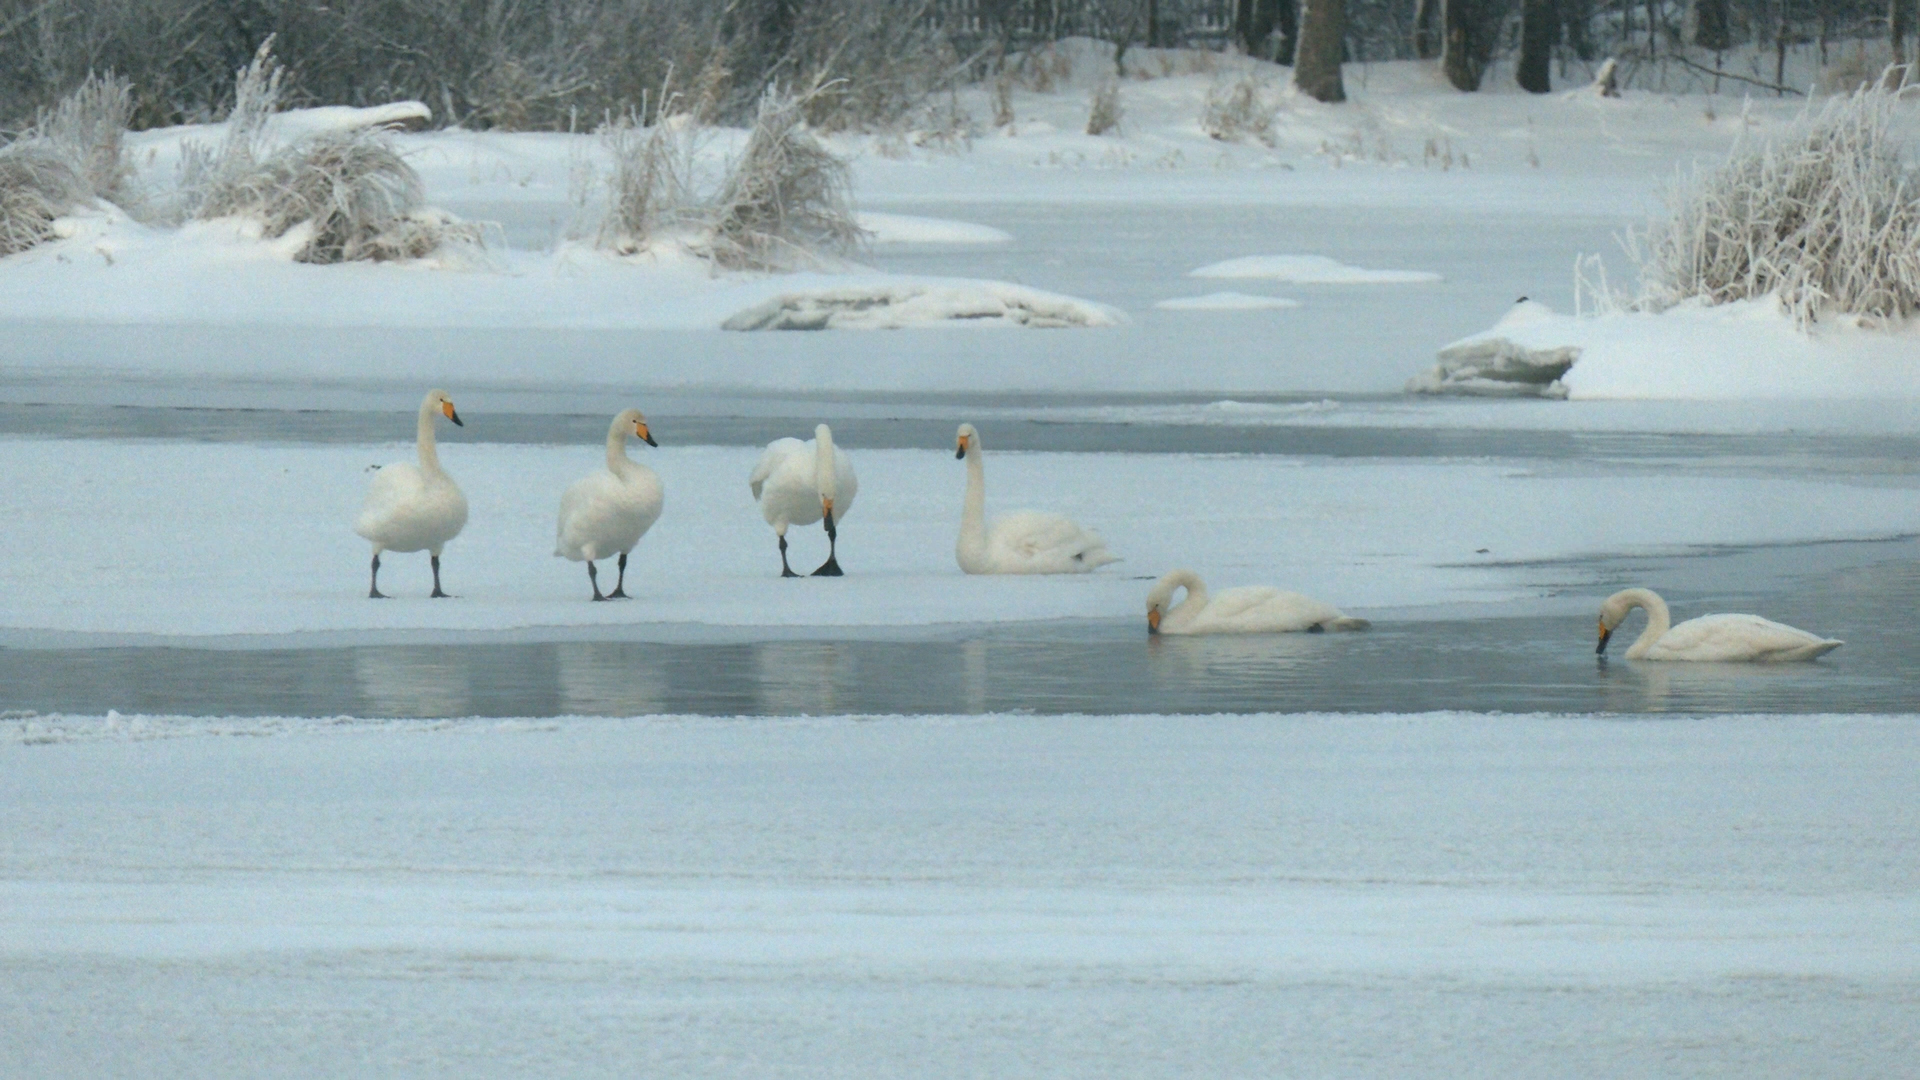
(212, 539)
(1410, 896)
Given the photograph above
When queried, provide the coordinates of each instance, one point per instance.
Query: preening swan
(1023, 542)
(1250, 609)
(414, 507)
(799, 483)
(610, 511)
(1710, 637)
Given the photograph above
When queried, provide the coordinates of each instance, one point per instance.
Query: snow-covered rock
(1492, 363)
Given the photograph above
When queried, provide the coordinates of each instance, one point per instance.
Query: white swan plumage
(414, 507)
(1708, 638)
(1023, 542)
(608, 512)
(799, 483)
(1248, 609)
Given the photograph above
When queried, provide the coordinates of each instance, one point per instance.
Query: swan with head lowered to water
(1023, 542)
(610, 511)
(414, 507)
(1707, 638)
(799, 483)
(1249, 609)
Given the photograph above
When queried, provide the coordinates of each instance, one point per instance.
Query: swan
(410, 507)
(799, 483)
(1250, 609)
(1023, 542)
(1709, 637)
(610, 511)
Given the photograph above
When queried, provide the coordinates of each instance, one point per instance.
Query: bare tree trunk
(1289, 13)
(1469, 44)
(1900, 25)
(1426, 35)
(1323, 34)
(1539, 21)
(1710, 25)
(1253, 23)
(1153, 25)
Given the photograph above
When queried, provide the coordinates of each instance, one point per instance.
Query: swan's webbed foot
(620, 584)
(1317, 628)
(830, 568)
(376, 594)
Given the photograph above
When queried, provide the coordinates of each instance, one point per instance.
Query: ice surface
(1226, 301)
(907, 229)
(1310, 270)
(896, 306)
(1409, 895)
(171, 538)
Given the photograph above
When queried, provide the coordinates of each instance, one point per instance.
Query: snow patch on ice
(1492, 364)
(1309, 270)
(894, 306)
(906, 229)
(1226, 301)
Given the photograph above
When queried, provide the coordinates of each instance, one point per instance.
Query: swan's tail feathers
(1347, 622)
(1098, 557)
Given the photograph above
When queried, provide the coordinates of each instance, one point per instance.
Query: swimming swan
(1710, 637)
(799, 483)
(1250, 609)
(410, 507)
(610, 511)
(1023, 542)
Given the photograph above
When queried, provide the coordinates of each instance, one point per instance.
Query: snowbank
(1309, 270)
(1748, 349)
(894, 306)
(906, 229)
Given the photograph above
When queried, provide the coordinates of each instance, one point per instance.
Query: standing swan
(410, 507)
(799, 483)
(1251, 609)
(610, 511)
(1709, 637)
(1023, 542)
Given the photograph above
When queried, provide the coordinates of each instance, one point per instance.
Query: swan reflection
(1655, 686)
(599, 678)
(805, 676)
(1235, 661)
(414, 682)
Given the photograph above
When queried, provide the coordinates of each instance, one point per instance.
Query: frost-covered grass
(38, 185)
(1824, 218)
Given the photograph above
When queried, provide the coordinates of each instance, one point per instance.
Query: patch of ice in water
(1226, 301)
(894, 306)
(1310, 270)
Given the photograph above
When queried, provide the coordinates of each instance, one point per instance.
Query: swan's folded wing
(1733, 637)
(777, 452)
(1258, 607)
(1032, 535)
(393, 488)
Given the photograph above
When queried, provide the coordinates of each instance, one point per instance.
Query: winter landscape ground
(936, 824)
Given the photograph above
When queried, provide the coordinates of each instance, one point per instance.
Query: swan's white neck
(617, 459)
(825, 477)
(423, 438)
(1189, 605)
(973, 512)
(1659, 620)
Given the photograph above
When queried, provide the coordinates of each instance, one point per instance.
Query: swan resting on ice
(414, 507)
(799, 483)
(1249, 609)
(610, 511)
(1023, 542)
(1709, 637)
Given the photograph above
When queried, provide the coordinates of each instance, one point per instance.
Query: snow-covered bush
(89, 126)
(351, 191)
(1825, 220)
(37, 185)
(786, 200)
(1240, 108)
(651, 183)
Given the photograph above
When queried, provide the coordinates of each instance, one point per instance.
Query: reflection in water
(1243, 662)
(413, 681)
(600, 678)
(973, 674)
(806, 677)
(1656, 686)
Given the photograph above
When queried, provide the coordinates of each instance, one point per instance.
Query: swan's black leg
(436, 577)
(373, 590)
(593, 576)
(830, 568)
(785, 570)
(620, 586)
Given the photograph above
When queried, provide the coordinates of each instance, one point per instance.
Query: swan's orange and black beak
(1605, 633)
(960, 450)
(640, 429)
(826, 506)
(1153, 620)
(447, 407)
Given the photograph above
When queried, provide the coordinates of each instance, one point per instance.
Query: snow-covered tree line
(569, 64)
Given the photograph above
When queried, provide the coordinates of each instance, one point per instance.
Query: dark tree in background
(1472, 27)
(1710, 25)
(1539, 33)
(1254, 24)
(1323, 34)
(1426, 29)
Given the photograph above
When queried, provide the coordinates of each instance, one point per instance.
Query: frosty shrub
(88, 127)
(37, 185)
(352, 192)
(1240, 108)
(1104, 112)
(786, 200)
(651, 185)
(1825, 219)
